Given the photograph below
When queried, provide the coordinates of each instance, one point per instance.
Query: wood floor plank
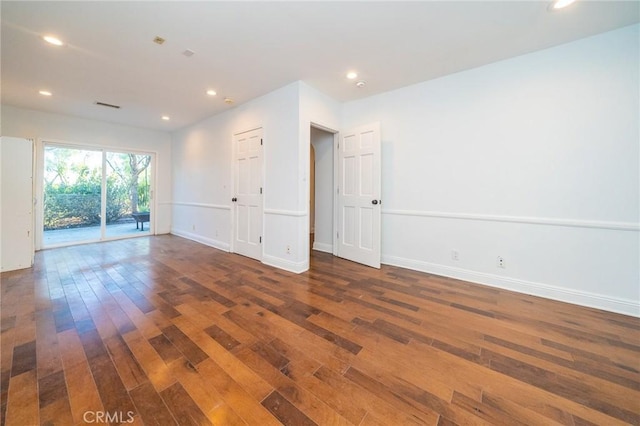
(167, 351)
(423, 414)
(222, 337)
(52, 388)
(151, 362)
(125, 362)
(163, 330)
(71, 349)
(22, 402)
(286, 412)
(47, 348)
(207, 310)
(190, 350)
(514, 410)
(24, 358)
(305, 401)
(151, 407)
(583, 370)
(58, 412)
(225, 415)
(247, 407)
(207, 398)
(239, 372)
(109, 383)
(82, 391)
(269, 326)
(183, 407)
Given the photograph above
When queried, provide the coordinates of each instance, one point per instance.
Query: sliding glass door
(93, 195)
(72, 194)
(128, 194)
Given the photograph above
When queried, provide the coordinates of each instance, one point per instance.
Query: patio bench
(141, 218)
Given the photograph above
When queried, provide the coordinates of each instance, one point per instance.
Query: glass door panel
(128, 205)
(72, 195)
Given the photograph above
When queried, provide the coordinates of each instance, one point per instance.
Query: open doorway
(346, 192)
(321, 191)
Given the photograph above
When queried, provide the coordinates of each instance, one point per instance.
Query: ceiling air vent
(108, 105)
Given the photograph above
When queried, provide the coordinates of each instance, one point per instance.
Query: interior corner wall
(534, 159)
(202, 177)
(43, 126)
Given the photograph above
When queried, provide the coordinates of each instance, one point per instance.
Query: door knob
(234, 199)
(374, 202)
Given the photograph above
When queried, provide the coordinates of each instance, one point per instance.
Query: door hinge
(260, 141)
(261, 190)
(260, 240)
(338, 235)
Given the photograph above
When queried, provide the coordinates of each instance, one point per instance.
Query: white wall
(44, 126)
(535, 159)
(322, 141)
(202, 172)
(202, 176)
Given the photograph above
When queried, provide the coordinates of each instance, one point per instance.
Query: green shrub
(68, 206)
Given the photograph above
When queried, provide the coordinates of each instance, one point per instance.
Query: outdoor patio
(92, 233)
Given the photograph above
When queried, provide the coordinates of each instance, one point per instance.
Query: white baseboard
(324, 247)
(592, 300)
(287, 265)
(203, 240)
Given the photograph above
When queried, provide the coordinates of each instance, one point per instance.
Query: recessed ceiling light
(158, 40)
(211, 92)
(561, 4)
(166, 118)
(45, 93)
(228, 101)
(53, 40)
(361, 83)
(351, 75)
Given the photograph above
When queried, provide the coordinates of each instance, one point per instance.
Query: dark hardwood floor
(162, 330)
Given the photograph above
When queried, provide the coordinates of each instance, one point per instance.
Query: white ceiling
(246, 49)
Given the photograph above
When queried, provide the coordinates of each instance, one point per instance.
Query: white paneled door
(16, 183)
(247, 198)
(359, 200)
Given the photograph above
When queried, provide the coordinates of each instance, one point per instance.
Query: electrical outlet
(455, 255)
(288, 249)
(501, 263)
